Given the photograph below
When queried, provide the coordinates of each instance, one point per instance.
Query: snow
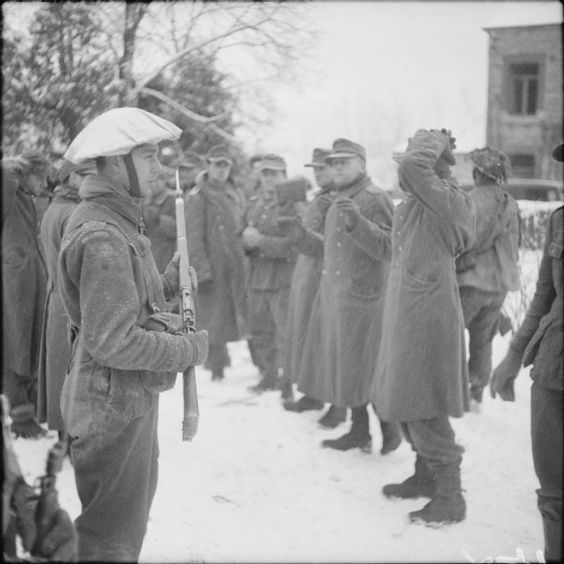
(255, 485)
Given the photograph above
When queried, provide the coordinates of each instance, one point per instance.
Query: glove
(164, 321)
(24, 423)
(61, 542)
(504, 376)
(151, 215)
(350, 210)
(24, 502)
(171, 271)
(200, 344)
(323, 203)
(292, 227)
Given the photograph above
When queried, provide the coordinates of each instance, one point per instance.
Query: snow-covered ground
(255, 485)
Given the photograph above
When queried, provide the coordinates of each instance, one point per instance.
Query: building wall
(534, 134)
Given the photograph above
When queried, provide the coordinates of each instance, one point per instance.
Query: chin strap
(132, 173)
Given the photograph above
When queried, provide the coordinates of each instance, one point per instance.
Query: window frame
(509, 77)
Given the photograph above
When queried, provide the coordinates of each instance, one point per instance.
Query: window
(523, 88)
(522, 165)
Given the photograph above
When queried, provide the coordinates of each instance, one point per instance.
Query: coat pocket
(156, 382)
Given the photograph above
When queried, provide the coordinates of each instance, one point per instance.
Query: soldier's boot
(334, 416)
(286, 390)
(269, 382)
(552, 540)
(217, 374)
(305, 403)
(447, 505)
(421, 484)
(24, 423)
(357, 437)
(391, 437)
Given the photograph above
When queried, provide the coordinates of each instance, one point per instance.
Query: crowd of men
(342, 296)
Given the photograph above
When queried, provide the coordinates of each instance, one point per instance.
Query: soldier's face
(269, 178)
(218, 171)
(147, 166)
(323, 175)
(36, 182)
(346, 169)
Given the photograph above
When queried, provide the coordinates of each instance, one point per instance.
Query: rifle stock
(190, 391)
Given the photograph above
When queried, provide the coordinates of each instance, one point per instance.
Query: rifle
(47, 503)
(190, 391)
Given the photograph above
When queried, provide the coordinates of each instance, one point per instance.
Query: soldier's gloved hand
(251, 237)
(292, 227)
(504, 375)
(200, 344)
(172, 270)
(24, 423)
(164, 321)
(350, 210)
(24, 503)
(151, 215)
(323, 203)
(60, 544)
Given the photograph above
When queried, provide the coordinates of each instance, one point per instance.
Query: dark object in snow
(333, 416)
(357, 437)
(420, 484)
(305, 403)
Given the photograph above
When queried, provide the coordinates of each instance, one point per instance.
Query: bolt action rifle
(190, 391)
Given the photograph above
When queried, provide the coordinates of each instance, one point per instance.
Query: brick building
(525, 97)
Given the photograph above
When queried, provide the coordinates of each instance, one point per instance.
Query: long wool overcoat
(216, 252)
(421, 371)
(346, 318)
(24, 279)
(303, 290)
(55, 349)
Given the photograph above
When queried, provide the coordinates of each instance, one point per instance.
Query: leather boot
(333, 417)
(269, 382)
(286, 390)
(357, 437)
(552, 540)
(305, 403)
(421, 484)
(447, 505)
(391, 437)
(218, 375)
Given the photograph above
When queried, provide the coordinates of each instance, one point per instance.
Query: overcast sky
(386, 69)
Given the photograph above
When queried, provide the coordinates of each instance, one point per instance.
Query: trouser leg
(116, 484)
(218, 359)
(547, 437)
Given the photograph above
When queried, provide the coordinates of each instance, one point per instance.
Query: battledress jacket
(421, 371)
(303, 289)
(55, 350)
(347, 315)
(540, 338)
(24, 279)
(109, 285)
(216, 252)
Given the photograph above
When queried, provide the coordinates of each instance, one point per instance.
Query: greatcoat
(23, 278)
(55, 350)
(421, 371)
(303, 290)
(216, 252)
(346, 318)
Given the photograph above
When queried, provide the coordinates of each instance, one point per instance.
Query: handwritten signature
(519, 558)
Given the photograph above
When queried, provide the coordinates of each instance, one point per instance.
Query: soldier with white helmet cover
(126, 347)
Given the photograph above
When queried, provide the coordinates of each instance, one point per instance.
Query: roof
(512, 27)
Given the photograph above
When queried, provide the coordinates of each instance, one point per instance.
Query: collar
(357, 185)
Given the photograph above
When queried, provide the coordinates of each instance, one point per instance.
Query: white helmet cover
(117, 132)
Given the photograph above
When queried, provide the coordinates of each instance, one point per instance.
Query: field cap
(68, 167)
(271, 162)
(558, 153)
(318, 157)
(117, 132)
(346, 149)
(219, 153)
(492, 163)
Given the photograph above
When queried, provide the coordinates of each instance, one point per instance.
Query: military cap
(219, 153)
(346, 149)
(318, 157)
(558, 153)
(68, 167)
(117, 132)
(271, 162)
(492, 163)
